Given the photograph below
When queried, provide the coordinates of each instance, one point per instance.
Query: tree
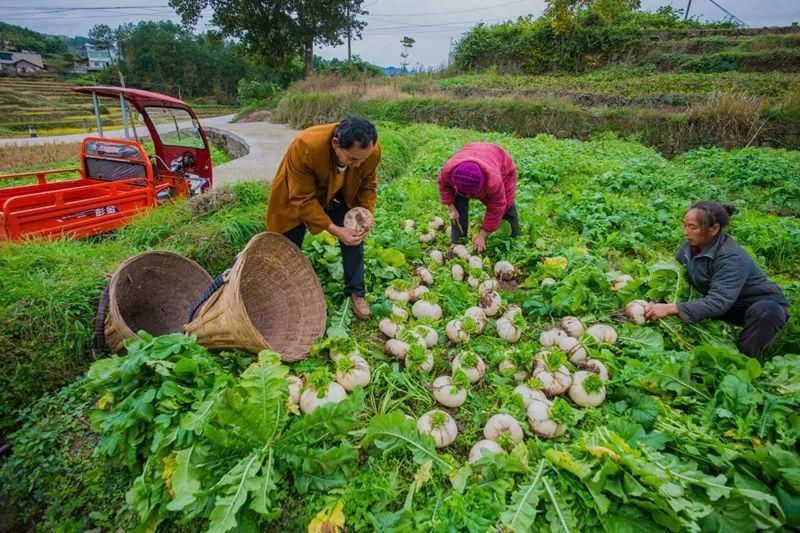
(407, 43)
(165, 57)
(102, 36)
(280, 29)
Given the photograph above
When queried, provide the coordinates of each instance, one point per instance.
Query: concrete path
(266, 142)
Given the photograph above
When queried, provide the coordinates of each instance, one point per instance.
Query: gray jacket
(727, 276)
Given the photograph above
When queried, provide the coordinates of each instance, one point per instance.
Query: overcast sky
(432, 24)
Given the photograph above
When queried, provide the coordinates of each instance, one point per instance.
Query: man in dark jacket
(734, 288)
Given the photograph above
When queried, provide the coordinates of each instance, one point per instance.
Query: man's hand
(347, 236)
(655, 311)
(479, 241)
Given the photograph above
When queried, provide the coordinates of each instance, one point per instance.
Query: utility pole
(686, 16)
(349, 34)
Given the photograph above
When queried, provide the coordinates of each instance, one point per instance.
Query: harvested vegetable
(440, 426)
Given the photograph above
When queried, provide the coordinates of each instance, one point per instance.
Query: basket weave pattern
(152, 291)
(273, 299)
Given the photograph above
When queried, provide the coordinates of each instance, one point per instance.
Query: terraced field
(52, 107)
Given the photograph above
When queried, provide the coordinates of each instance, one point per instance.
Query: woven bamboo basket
(271, 299)
(152, 291)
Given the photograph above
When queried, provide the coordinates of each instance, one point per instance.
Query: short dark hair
(352, 129)
(714, 212)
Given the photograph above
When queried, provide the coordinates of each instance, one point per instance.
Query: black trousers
(352, 256)
(761, 323)
(462, 206)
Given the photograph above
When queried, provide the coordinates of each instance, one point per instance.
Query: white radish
(572, 326)
(447, 394)
(352, 371)
(475, 262)
(295, 388)
(512, 311)
(397, 295)
(482, 448)
(359, 219)
(457, 271)
(528, 394)
(408, 225)
(587, 389)
(634, 312)
(388, 327)
(555, 378)
(507, 367)
(461, 251)
(488, 285)
(436, 224)
(502, 424)
(438, 425)
(310, 400)
(596, 366)
(428, 334)
(573, 348)
(602, 333)
(437, 257)
(456, 332)
(397, 348)
(471, 364)
(399, 312)
(417, 292)
(540, 421)
(547, 282)
(427, 237)
(411, 336)
(426, 309)
(491, 302)
(551, 337)
(478, 317)
(473, 282)
(507, 331)
(424, 275)
(418, 358)
(505, 271)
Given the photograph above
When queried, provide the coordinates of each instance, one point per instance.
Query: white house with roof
(99, 58)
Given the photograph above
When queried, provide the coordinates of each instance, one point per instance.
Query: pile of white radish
(351, 371)
(561, 369)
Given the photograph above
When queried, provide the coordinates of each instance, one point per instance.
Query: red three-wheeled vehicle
(117, 179)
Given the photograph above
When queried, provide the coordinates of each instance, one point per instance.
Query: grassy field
(692, 436)
(54, 109)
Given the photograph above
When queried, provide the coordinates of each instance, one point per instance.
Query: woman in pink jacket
(485, 172)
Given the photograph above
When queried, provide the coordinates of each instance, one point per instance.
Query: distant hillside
(47, 45)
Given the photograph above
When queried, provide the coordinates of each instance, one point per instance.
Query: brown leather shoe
(360, 307)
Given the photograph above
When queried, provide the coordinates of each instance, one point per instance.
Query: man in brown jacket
(327, 170)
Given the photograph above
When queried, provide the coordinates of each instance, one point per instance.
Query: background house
(24, 62)
(98, 58)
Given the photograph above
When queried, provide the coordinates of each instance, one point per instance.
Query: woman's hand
(479, 241)
(453, 213)
(655, 311)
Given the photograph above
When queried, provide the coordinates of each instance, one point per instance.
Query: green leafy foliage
(692, 435)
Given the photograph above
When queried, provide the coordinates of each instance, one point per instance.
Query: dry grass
(26, 157)
(734, 118)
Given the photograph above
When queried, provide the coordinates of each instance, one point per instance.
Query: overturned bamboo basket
(270, 299)
(152, 291)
